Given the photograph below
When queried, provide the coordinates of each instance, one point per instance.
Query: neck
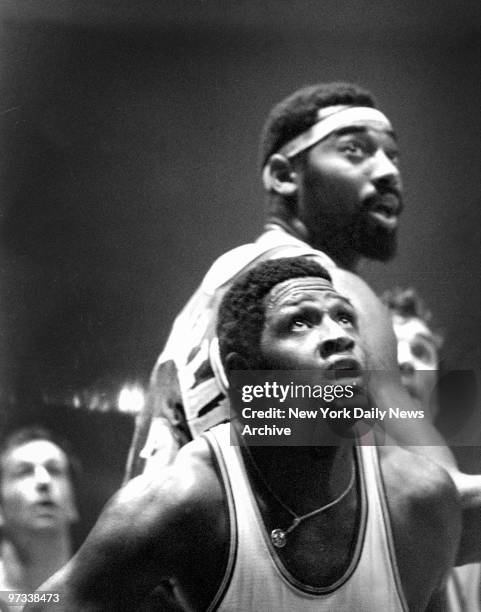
(30, 558)
(303, 477)
(339, 251)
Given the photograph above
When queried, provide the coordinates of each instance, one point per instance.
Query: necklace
(279, 536)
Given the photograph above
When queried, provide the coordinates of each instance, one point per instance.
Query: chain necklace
(279, 536)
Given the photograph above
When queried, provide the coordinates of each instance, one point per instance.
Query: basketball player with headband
(330, 170)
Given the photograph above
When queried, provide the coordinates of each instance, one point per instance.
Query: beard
(341, 234)
(372, 240)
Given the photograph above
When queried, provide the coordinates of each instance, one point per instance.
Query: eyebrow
(360, 129)
(426, 337)
(337, 296)
(297, 300)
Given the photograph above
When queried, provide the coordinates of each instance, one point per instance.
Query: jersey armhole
(221, 470)
(389, 531)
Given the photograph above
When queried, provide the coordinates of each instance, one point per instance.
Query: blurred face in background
(418, 358)
(36, 491)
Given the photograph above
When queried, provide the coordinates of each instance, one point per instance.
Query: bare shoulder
(424, 507)
(417, 479)
(354, 287)
(191, 478)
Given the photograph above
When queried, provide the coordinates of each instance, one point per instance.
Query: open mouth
(385, 208)
(345, 367)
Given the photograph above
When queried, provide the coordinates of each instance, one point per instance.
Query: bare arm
(424, 507)
(470, 545)
(104, 574)
(145, 536)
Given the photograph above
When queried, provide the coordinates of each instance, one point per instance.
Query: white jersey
(256, 579)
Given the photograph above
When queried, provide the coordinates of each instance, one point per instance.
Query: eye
(23, 470)
(422, 352)
(55, 469)
(345, 318)
(299, 324)
(353, 148)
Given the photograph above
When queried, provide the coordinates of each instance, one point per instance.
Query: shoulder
(424, 508)
(358, 291)
(190, 483)
(229, 265)
(418, 482)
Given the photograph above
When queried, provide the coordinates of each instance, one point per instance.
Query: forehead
(295, 291)
(409, 328)
(34, 452)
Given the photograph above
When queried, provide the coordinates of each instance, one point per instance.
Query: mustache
(386, 197)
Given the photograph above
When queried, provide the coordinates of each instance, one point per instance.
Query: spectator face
(36, 490)
(417, 357)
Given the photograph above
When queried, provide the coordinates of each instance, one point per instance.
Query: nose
(385, 170)
(405, 358)
(42, 477)
(407, 368)
(336, 340)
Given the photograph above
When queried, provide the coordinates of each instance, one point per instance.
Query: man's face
(417, 357)
(350, 191)
(310, 326)
(36, 491)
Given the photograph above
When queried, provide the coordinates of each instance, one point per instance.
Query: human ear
(234, 361)
(279, 177)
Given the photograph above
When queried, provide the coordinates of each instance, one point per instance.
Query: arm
(151, 532)
(104, 574)
(424, 507)
(470, 545)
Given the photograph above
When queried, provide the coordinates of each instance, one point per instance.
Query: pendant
(278, 538)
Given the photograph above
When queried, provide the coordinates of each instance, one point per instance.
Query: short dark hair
(408, 304)
(298, 112)
(242, 310)
(30, 433)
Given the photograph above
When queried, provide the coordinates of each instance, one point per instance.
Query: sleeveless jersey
(256, 579)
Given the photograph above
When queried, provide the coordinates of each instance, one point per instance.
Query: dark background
(129, 134)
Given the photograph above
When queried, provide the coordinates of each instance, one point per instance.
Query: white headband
(330, 119)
